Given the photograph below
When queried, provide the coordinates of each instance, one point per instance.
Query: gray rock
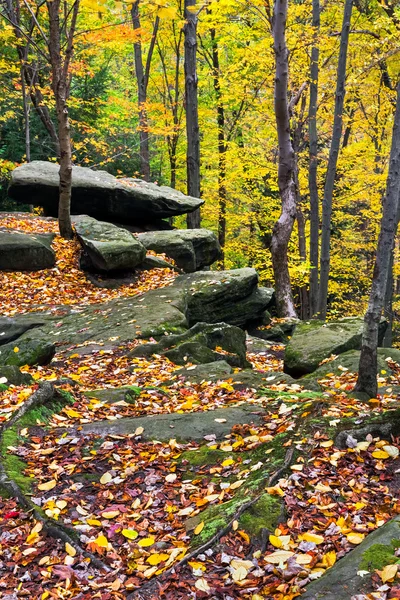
(313, 341)
(125, 393)
(26, 252)
(11, 329)
(200, 345)
(14, 375)
(98, 194)
(27, 350)
(342, 581)
(350, 361)
(191, 426)
(213, 371)
(108, 247)
(191, 249)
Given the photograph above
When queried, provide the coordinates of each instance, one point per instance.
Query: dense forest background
(239, 153)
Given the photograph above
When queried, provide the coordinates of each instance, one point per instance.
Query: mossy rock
(313, 341)
(264, 514)
(14, 376)
(27, 350)
(127, 393)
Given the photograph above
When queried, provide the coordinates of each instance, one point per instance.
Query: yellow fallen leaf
(303, 559)
(235, 525)
(106, 478)
(70, 549)
(156, 559)
(381, 454)
(145, 542)
(329, 559)
(150, 572)
(388, 573)
(393, 451)
(236, 484)
(72, 413)
(326, 444)
(101, 541)
(131, 534)
(16, 349)
(139, 430)
(199, 528)
(312, 537)
(195, 564)
(93, 522)
(239, 574)
(61, 504)
(280, 556)
(227, 462)
(275, 541)
(49, 485)
(355, 538)
(321, 487)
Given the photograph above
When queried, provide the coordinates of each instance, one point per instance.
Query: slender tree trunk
(332, 162)
(303, 294)
(60, 84)
(284, 225)
(313, 164)
(142, 77)
(367, 374)
(192, 113)
(25, 105)
(222, 148)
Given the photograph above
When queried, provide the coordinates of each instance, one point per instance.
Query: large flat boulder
(313, 341)
(351, 576)
(191, 249)
(26, 252)
(98, 194)
(107, 247)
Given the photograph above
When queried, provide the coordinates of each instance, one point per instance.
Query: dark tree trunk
(60, 85)
(332, 162)
(192, 113)
(221, 149)
(367, 374)
(284, 226)
(142, 78)
(313, 164)
(26, 109)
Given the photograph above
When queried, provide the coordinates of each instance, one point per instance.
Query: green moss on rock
(264, 514)
(380, 555)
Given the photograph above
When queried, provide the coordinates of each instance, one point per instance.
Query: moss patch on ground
(264, 514)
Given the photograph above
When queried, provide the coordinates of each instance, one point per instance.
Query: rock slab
(26, 252)
(191, 249)
(107, 247)
(313, 341)
(98, 194)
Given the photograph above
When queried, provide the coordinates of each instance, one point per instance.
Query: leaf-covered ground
(142, 507)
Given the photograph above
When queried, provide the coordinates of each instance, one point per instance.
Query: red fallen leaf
(394, 592)
(11, 514)
(64, 572)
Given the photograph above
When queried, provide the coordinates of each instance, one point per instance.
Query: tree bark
(222, 148)
(284, 225)
(192, 113)
(313, 160)
(26, 109)
(60, 85)
(332, 162)
(142, 77)
(367, 373)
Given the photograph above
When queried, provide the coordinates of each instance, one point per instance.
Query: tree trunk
(221, 150)
(367, 374)
(142, 77)
(25, 105)
(284, 225)
(303, 292)
(313, 164)
(60, 85)
(192, 113)
(332, 162)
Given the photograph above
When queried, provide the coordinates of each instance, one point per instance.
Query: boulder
(313, 341)
(98, 194)
(349, 361)
(274, 333)
(191, 249)
(11, 375)
(11, 328)
(351, 576)
(28, 350)
(106, 246)
(203, 343)
(224, 296)
(26, 252)
(213, 371)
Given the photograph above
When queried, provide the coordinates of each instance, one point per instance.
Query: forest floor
(143, 507)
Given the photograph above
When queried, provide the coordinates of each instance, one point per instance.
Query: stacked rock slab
(25, 252)
(191, 249)
(108, 247)
(98, 194)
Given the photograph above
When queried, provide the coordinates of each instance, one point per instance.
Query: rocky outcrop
(203, 343)
(191, 249)
(25, 252)
(98, 194)
(313, 341)
(231, 297)
(107, 247)
(31, 349)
